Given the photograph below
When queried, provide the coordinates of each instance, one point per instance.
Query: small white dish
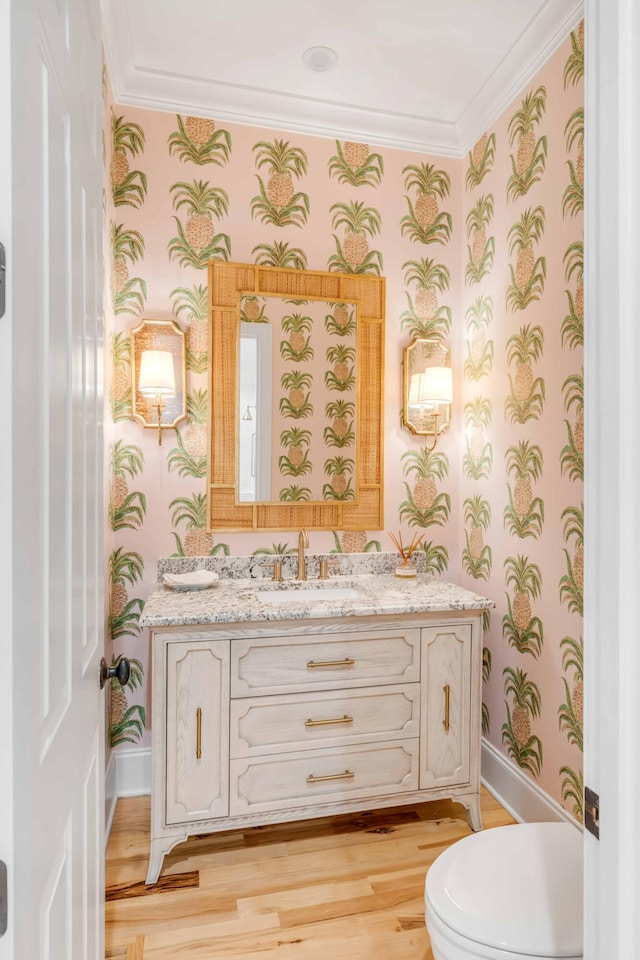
(196, 580)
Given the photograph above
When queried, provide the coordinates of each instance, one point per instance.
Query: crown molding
(517, 69)
(236, 103)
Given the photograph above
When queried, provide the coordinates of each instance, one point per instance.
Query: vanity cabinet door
(197, 730)
(445, 708)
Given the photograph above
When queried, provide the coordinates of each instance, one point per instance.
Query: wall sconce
(428, 388)
(247, 415)
(159, 374)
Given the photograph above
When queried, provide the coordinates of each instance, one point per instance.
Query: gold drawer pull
(322, 723)
(447, 694)
(347, 775)
(347, 662)
(198, 733)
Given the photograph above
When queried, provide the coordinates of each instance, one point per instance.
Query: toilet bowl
(511, 893)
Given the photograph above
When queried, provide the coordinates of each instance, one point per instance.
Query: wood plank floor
(340, 888)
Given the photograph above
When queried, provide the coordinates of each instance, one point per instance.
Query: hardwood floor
(340, 888)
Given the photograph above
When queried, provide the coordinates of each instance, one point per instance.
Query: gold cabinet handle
(198, 733)
(323, 723)
(347, 662)
(347, 775)
(447, 697)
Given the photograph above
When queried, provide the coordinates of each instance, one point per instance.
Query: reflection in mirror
(297, 403)
(424, 411)
(254, 452)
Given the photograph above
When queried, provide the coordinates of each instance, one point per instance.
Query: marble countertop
(235, 601)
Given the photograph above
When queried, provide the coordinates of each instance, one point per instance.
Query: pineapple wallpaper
(181, 190)
(314, 397)
(485, 253)
(522, 403)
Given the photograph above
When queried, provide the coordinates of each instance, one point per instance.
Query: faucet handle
(324, 568)
(276, 566)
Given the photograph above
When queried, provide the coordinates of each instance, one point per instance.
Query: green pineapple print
(477, 556)
(197, 241)
(127, 509)
(278, 203)
(425, 222)
(517, 738)
(426, 317)
(520, 628)
(353, 254)
(524, 515)
(128, 187)
(197, 140)
(481, 159)
(529, 161)
(353, 163)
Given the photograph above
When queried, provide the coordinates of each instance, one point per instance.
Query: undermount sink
(308, 595)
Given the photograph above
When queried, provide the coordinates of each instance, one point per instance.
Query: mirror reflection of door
(298, 392)
(254, 436)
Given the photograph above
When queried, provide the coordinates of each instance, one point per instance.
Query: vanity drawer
(324, 662)
(263, 725)
(323, 776)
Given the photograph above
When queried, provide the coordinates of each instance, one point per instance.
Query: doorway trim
(612, 469)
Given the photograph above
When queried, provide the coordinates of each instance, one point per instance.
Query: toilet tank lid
(515, 888)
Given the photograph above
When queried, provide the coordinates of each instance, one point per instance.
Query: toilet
(510, 893)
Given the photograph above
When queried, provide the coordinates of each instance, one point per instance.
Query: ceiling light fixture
(320, 59)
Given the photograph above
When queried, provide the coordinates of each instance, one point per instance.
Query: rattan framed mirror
(233, 284)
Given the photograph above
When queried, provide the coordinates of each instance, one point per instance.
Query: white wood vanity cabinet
(260, 723)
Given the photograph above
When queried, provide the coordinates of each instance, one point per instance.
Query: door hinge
(4, 897)
(3, 280)
(592, 812)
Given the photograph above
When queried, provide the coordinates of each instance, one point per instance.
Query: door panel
(197, 731)
(54, 399)
(446, 692)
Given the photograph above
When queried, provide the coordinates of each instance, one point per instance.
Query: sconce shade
(157, 375)
(436, 385)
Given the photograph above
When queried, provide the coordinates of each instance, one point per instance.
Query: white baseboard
(517, 793)
(128, 774)
(133, 772)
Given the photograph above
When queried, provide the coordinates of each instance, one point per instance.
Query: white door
(52, 764)
(612, 449)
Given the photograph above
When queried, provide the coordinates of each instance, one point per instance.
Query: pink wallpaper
(522, 402)
(458, 242)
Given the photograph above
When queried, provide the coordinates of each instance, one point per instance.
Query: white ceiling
(427, 75)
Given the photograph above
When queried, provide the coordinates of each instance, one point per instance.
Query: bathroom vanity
(274, 702)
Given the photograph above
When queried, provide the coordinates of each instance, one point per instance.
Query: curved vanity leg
(159, 847)
(472, 803)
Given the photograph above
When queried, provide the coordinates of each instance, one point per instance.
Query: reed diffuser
(405, 569)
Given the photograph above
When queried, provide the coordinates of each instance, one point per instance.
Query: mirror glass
(297, 400)
(419, 407)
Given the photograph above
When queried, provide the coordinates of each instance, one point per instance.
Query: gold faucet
(303, 541)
